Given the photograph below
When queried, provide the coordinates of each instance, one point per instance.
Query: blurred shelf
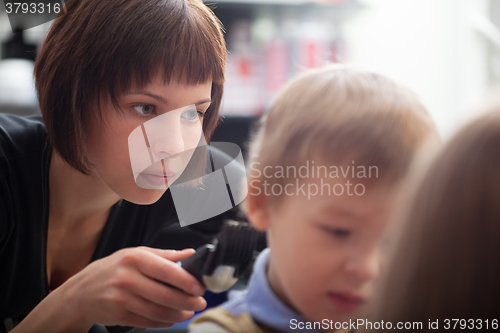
(285, 2)
(264, 2)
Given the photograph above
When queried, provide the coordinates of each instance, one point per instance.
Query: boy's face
(325, 251)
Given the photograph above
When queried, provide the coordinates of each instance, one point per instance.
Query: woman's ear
(256, 211)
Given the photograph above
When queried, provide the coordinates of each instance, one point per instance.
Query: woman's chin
(142, 196)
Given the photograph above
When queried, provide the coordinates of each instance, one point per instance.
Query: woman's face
(169, 131)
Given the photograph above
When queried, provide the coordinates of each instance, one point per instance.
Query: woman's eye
(192, 115)
(144, 109)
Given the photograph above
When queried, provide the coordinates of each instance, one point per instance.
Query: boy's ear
(256, 211)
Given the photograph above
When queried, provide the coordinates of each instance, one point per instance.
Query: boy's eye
(144, 109)
(192, 115)
(338, 232)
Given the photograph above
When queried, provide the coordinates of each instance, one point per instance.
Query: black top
(24, 206)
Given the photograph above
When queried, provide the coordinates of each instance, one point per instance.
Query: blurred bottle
(268, 37)
(312, 42)
(242, 92)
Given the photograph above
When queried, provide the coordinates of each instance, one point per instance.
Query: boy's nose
(364, 266)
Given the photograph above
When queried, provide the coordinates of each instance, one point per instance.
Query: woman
(68, 196)
(445, 270)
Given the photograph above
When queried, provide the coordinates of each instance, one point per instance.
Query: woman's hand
(123, 289)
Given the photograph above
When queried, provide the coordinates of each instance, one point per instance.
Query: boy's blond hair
(339, 115)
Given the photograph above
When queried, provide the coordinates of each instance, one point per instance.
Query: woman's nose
(165, 136)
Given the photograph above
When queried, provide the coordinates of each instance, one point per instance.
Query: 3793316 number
(32, 8)
(471, 324)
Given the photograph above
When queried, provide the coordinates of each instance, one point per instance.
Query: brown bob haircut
(445, 264)
(98, 50)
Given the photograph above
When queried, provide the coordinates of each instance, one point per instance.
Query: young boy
(326, 168)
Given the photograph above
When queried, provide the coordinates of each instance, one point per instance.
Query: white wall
(428, 45)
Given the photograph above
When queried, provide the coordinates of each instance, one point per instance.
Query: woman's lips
(346, 302)
(157, 180)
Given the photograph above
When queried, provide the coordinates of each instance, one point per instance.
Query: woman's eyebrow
(161, 98)
(203, 102)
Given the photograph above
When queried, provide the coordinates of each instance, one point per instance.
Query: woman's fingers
(166, 271)
(165, 296)
(135, 320)
(123, 289)
(155, 312)
(172, 255)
